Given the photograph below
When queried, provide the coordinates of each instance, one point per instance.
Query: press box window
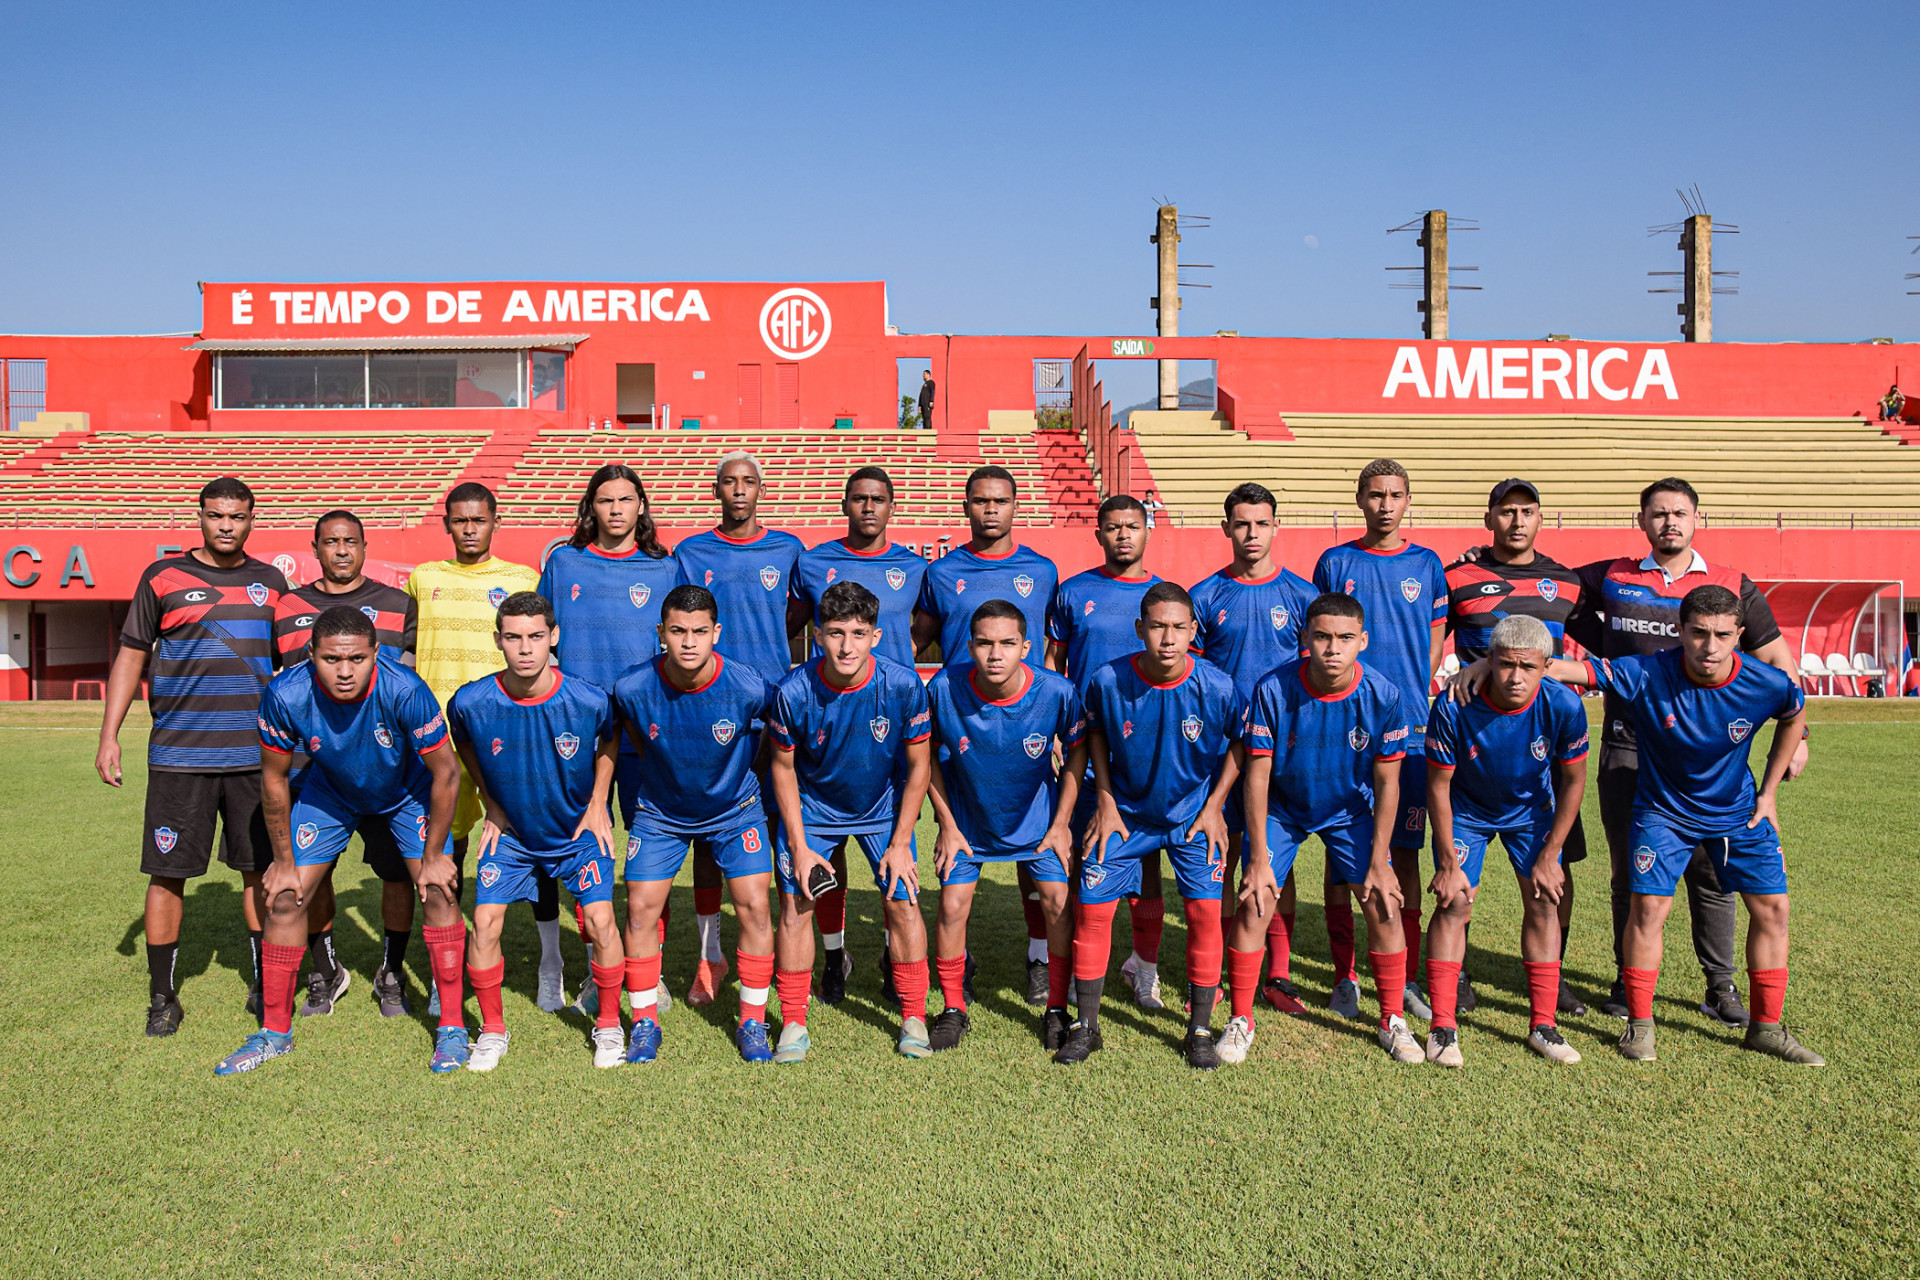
(390, 380)
(23, 389)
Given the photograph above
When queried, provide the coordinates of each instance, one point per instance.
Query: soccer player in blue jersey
(1694, 710)
(1249, 615)
(1160, 728)
(992, 566)
(1403, 589)
(1512, 763)
(894, 574)
(377, 739)
(997, 798)
(749, 568)
(851, 760)
(541, 745)
(1324, 739)
(689, 714)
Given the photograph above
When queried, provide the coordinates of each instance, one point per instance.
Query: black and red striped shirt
(1479, 594)
(393, 611)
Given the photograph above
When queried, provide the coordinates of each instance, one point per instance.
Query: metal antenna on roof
(1699, 281)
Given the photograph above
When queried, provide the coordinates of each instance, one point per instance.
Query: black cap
(1507, 486)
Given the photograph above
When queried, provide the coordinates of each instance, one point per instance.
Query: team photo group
(753, 704)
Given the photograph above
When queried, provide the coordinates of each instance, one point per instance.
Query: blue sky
(997, 165)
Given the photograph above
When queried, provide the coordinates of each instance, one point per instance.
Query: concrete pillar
(1166, 235)
(1434, 305)
(1696, 310)
(16, 655)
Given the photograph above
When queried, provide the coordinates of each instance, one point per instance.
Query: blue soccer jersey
(997, 757)
(1404, 593)
(697, 747)
(536, 757)
(751, 582)
(849, 744)
(1502, 761)
(894, 575)
(1093, 615)
(1324, 746)
(608, 606)
(963, 580)
(367, 753)
(1165, 742)
(1694, 739)
(1250, 626)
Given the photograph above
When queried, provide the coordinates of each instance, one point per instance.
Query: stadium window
(24, 384)
(389, 380)
(547, 380)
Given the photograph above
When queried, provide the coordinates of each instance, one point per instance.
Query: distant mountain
(1193, 395)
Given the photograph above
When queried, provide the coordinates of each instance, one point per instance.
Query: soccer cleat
(1200, 1050)
(913, 1039)
(663, 994)
(1615, 1005)
(1399, 1042)
(390, 993)
(1345, 1000)
(433, 999)
(1636, 1042)
(550, 996)
(1282, 995)
(1723, 1005)
(888, 992)
(487, 1051)
(1144, 978)
(256, 1003)
(1467, 1000)
(793, 1045)
(1551, 1045)
(1415, 1002)
(163, 1015)
(1054, 1025)
(1082, 1042)
(750, 1037)
(609, 1046)
(256, 1050)
(321, 998)
(1037, 982)
(966, 978)
(1443, 1047)
(833, 980)
(643, 1042)
(450, 1050)
(1569, 1003)
(708, 975)
(587, 1003)
(1773, 1039)
(1238, 1039)
(949, 1029)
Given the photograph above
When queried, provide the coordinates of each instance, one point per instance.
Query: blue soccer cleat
(450, 1050)
(644, 1044)
(751, 1037)
(257, 1049)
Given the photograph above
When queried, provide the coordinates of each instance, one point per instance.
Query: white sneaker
(488, 1050)
(609, 1046)
(551, 996)
(433, 1001)
(1238, 1039)
(1344, 1002)
(1443, 1047)
(1145, 980)
(587, 1005)
(1551, 1045)
(1399, 1042)
(1415, 1001)
(665, 996)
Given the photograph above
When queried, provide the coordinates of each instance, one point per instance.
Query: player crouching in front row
(376, 736)
(541, 747)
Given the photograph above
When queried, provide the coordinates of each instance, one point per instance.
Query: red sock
(486, 992)
(706, 902)
(447, 951)
(1243, 971)
(666, 913)
(1148, 916)
(606, 981)
(953, 973)
(1059, 978)
(1768, 990)
(1389, 982)
(1543, 991)
(1092, 939)
(1204, 943)
(910, 980)
(830, 911)
(580, 918)
(796, 990)
(1443, 991)
(1280, 945)
(1340, 936)
(756, 975)
(1036, 918)
(643, 983)
(279, 975)
(1639, 984)
(1410, 927)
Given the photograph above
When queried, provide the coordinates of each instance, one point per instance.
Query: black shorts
(1575, 849)
(381, 852)
(181, 811)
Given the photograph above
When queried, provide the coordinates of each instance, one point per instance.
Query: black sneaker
(949, 1029)
(163, 1015)
(1466, 1000)
(966, 980)
(257, 1003)
(1054, 1025)
(1199, 1050)
(1082, 1042)
(1569, 1003)
(833, 977)
(1037, 982)
(888, 992)
(1723, 1005)
(1615, 1005)
(321, 995)
(390, 993)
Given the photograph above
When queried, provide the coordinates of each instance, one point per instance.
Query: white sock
(550, 944)
(709, 928)
(1036, 949)
(834, 941)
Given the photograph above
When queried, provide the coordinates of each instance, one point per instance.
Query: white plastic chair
(1864, 665)
(1813, 671)
(1838, 668)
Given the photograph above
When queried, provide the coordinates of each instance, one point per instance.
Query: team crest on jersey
(257, 592)
(566, 744)
(1643, 858)
(1088, 611)
(959, 586)
(373, 614)
(1357, 738)
(1410, 588)
(1035, 743)
(896, 578)
(1126, 728)
(498, 746)
(164, 838)
(381, 736)
(1539, 748)
(831, 575)
(639, 593)
(496, 596)
(306, 835)
(490, 874)
(1190, 728)
(723, 731)
(1093, 873)
(879, 725)
(1024, 585)
(1549, 589)
(1739, 729)
(769, 577)
(574, 594)
(633, 846)
(313, 746)
(1277, 615)
(964, 743)
(1460, 850)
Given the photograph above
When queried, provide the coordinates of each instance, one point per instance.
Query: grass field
(125, 1156)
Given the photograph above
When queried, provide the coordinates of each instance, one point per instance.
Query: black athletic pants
(1714, 922)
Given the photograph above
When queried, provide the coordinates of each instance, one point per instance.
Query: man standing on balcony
(926, 399)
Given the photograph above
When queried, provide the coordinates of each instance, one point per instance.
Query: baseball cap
(1507, 486)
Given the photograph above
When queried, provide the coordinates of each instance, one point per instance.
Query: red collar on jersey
(1376, 551)
(878, 551)
(364, 693)
(1344, 694)
(1502, 710)
(660, 665)
(1174, 683)
(742, 542)
(1701, 684)
(981, 555)
(1011, 698)
(530, 702)
(820, 674)
(1227, 573)
(613, 555)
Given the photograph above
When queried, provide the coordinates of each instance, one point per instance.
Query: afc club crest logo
(831, 575)
(490, 874)
(1034, 743)
(1549, 589)
(769, 577)
(381, 736)
(1357, 738)
(164, 838)
(284, 563)
(306, 835)
(1190, 728)
(879, 725)
(496, 596)
(639, 593)
(1093, 873)
(498, 746)
(723, 731)
(1088, 611)
(1643, 859)
(1739, 729)
(795, 323)
(566, 744)
(959, 586)
(1539, 748)
(1024, 585)
(257, 592)
(896, 578)
(574, 594)
(1277, 615)
(1410, 588)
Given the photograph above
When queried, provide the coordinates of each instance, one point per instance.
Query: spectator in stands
(1152, 505)
(926, 399)
(1892, 404)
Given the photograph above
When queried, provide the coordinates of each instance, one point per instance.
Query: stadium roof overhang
(432, 342)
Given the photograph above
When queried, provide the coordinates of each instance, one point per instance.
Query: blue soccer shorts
(1746, 860)
(322, 823)
(1349, 849)
(1410, 829)
(740, 847)
(508, 872)
(1042, 864)
(872, 843)
(1199, 872)
(1522, 842)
